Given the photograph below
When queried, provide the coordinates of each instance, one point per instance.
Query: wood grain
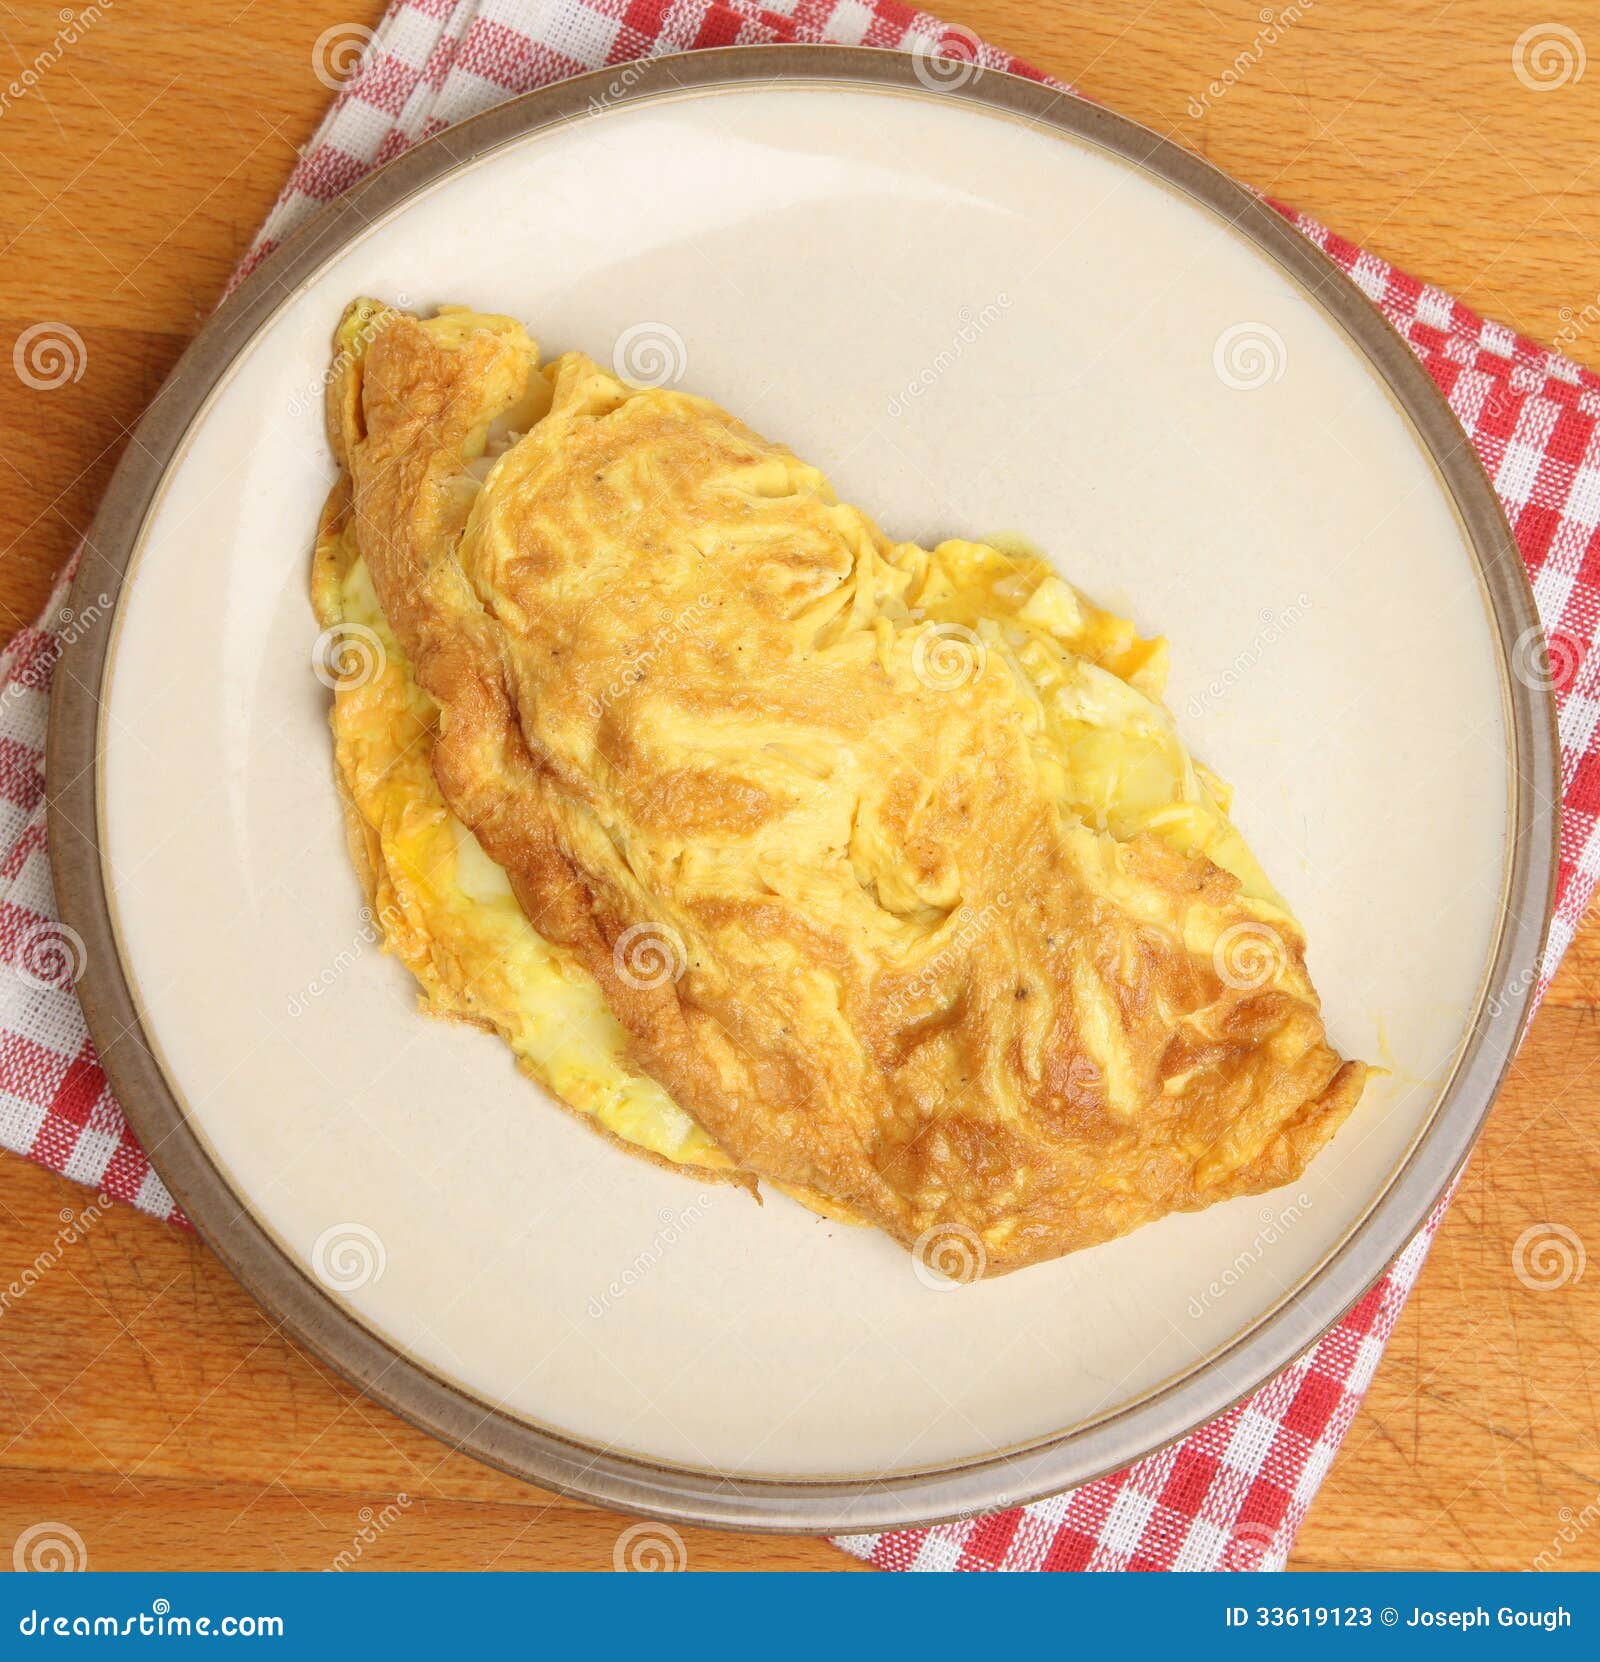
(145, 1400)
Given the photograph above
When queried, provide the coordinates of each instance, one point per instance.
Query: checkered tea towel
(1232, 1494)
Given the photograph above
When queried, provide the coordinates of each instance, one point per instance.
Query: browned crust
(967, 1108)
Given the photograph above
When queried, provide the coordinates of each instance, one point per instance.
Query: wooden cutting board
(145, 1400)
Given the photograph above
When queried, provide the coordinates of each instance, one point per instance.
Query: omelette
(777, 850)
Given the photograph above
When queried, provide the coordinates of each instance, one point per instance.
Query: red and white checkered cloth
(1233, 1494)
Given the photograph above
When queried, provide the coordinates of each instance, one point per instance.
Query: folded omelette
(779, 850)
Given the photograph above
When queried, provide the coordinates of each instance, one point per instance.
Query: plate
(984, 307)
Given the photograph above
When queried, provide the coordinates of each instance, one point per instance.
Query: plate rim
(447, 1410)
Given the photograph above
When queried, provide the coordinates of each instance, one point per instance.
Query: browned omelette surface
(888, 861)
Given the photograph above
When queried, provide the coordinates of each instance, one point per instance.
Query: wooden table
(143, 1398)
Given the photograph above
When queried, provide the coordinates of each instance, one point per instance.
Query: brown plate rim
(866, 1503)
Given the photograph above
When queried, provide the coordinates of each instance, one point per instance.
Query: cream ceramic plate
(977, 317)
